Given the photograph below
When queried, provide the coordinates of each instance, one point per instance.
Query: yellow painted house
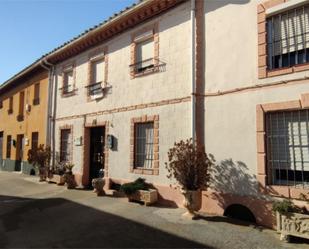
(23, 118)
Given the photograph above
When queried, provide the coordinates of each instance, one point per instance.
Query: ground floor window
(34, 140)
(8, 146)
(287, 134)
(143, 146)
(65, 145)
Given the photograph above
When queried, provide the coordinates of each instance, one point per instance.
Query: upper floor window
(10, 110)
(20, 116)
(36, 98)
(288, 38)
(145, 51)
(96, 76)
(68, 80)
(287, 134)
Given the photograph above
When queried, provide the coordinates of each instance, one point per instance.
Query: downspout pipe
(193, 78)
(50, 67)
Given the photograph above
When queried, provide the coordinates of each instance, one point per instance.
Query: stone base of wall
(12, 165)
(216, 203)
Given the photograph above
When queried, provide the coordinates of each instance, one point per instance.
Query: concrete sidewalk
(34, 214)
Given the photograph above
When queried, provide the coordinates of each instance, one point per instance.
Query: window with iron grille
(8, 146)
(34, 140)
(288, 38)
(288, 148)
(65, 145)
(10, 110)
(143, 148)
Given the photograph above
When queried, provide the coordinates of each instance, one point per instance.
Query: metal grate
(143, 150)
(287, 136)
(288, 38)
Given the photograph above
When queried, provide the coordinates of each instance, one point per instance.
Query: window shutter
(98, 71)
(145, 50)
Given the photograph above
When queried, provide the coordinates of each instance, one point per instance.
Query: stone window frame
(156, 163)
(263, 72)
(66, 127)
(94, 56)
(265, 186)
(155, 36)
(64, 67)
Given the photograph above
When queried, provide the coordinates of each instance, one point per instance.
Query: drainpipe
(50, 67)
(193, 97)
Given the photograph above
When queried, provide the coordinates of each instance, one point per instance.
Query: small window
(8, 146)
(34, 140)
(288, 38)
(65, 145)
(36, 99)
(10, 110)
(68, 80)
(143, 148)
(287, 136)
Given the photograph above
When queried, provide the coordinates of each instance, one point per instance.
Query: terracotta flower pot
(69, 180)
(98, 185)
(192, 202)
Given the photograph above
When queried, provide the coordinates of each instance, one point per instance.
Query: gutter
(193, 79)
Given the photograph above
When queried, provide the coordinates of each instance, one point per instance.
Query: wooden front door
(19, 152)
(97, 142)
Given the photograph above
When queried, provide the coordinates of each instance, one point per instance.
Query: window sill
(284, 191)
(287, 70)
(68, 94)
(144, 171)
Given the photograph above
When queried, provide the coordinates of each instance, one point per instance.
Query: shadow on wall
(57, 222)
(217, 4)
(236, 192)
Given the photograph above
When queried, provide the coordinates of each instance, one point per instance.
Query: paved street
(34, 214)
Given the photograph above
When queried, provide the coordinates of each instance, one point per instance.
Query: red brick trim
(145, 119)
(130, 108)
(67, 127)
(155, 36)
(263, 72)
(86, 150)
(64, 67)
(263, 174)
(91, 58)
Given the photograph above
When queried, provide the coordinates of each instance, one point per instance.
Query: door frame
(86, 161)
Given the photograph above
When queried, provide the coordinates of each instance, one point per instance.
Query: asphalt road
(34, 214)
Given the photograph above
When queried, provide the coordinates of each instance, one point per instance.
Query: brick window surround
(92, 57)
(265, 186)
(155, 36)
(64, 69)
(67, 127)
(145, 119)
(263, 72)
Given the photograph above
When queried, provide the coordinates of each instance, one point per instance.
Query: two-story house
(23, 117)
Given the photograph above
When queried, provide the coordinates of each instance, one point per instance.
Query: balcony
(95, 91)
(151, 65)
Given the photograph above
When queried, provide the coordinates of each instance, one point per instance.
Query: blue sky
(31, 28)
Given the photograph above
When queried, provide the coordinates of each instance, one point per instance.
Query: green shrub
(284, 206)
(132, 187)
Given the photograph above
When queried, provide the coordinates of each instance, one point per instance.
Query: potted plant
(189, 165)
(139, 191)
(40, 158)
(68, 175)
(291, 220)
(98, 184)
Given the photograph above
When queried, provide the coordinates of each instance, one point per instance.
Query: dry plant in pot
(189, 165)
(40, 158)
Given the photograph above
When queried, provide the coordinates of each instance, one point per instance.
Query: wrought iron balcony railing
(149, 65)
(94, 89)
